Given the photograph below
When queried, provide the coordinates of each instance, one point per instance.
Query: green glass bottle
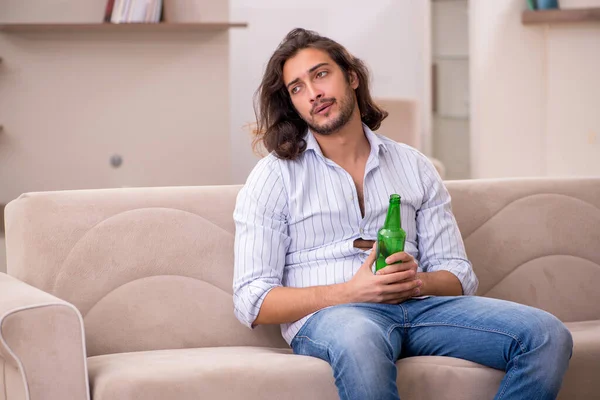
(391, 236)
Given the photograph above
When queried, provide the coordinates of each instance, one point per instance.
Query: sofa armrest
(42, 344)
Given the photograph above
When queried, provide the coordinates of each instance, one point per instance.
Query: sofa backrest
(151, 268)
(148, 268)
(535, 241)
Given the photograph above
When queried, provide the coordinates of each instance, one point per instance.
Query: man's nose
(315, 94)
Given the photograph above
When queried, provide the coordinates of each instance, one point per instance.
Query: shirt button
(362, 230)
(351, 197)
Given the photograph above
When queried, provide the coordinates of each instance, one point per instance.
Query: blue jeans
(362, 342)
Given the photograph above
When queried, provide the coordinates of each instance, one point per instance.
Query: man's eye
(295, 89)
(321, 74)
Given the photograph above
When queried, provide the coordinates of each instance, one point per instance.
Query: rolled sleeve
(261, 239)
(440, 243)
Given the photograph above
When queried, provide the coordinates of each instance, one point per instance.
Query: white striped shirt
(296, 222)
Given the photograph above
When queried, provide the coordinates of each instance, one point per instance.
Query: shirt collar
(374, 140)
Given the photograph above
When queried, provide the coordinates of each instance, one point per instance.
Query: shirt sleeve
(439, 240)
(261, 239)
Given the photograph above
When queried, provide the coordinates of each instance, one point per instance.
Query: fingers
(370, 259)
(399, 257)
(395, 293)
(394, 268)
(372, 256)
(373, 253)
(397, 277)
(404, 289)
(398, 298)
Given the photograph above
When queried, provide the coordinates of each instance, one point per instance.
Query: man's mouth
(323, 108)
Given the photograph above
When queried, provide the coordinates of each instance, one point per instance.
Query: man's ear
(353, 79)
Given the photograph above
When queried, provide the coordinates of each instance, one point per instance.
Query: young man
(306, 221)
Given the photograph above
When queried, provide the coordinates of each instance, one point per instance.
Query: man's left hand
(399, 262)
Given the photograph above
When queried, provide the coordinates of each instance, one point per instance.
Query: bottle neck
(392, 220)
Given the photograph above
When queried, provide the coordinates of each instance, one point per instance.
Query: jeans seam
(513, 336)
(405, 314)
(508, 378)
(389, 339)
(406, 321)
(391, 329)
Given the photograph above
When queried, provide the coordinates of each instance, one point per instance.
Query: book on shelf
(133, 11)
(108, 12)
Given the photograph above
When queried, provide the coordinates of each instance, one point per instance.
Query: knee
(560, 338)
(555, 337)
(357, 330)
(350, 333)
(362, 338)
(554, 352)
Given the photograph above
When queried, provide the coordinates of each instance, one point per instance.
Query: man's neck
(348, 146)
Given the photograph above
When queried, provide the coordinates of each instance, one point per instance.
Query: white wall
(391, 36)
(534, 94)
(450, 27)
(573, 104)
(70, 100)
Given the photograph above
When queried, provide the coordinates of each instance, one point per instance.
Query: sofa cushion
(210, 373)
(268, 373)
(581, 380)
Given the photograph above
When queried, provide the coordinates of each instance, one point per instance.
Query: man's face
(320, 92)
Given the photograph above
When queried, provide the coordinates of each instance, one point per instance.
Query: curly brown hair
(279, 126)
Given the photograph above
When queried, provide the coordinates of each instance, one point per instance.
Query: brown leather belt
(364, 244)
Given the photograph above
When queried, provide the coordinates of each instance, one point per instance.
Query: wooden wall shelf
(124, 27)
(576, 15)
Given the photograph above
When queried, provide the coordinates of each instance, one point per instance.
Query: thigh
(484, 330)
(351, 328)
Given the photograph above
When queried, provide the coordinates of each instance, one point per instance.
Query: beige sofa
(126, 294)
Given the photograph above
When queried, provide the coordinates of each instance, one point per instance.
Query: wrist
(439, 283)
(341, 293)
(424, 288)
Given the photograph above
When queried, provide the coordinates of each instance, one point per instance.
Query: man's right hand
(393, 288)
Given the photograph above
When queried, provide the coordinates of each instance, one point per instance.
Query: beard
(346, 105)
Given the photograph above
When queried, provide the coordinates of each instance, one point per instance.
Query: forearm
(285, 304)
(440, 283)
